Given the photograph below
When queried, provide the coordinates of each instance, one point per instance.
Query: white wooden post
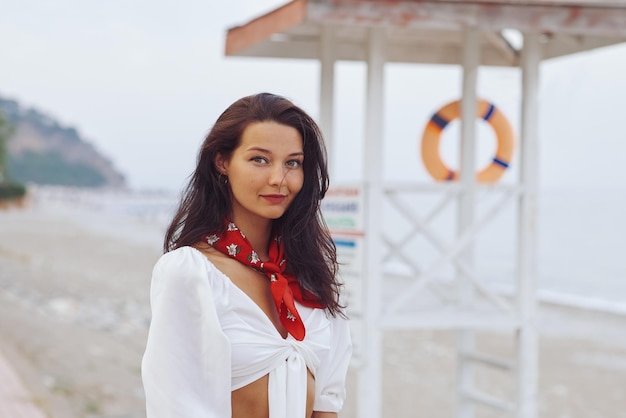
(370, 377)
(465, 343)
(527, 225)
(327, 92)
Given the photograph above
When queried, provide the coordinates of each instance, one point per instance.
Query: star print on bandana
(212, 239)
(233, 249)
(254, 258)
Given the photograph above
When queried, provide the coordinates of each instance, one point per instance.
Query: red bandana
(284, 286)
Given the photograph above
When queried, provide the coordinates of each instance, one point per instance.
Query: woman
(246, 318)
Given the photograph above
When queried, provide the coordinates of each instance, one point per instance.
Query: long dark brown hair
(206, 201)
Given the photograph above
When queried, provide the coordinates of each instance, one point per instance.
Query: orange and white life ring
(438, 122)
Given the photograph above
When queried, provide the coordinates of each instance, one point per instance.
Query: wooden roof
(430, 31)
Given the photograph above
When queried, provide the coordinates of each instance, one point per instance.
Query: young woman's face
(265, 171)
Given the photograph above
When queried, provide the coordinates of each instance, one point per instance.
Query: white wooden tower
(460, 32)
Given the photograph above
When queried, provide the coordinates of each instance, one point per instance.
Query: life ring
(438, 122)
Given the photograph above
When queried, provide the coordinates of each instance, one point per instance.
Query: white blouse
(208, 338)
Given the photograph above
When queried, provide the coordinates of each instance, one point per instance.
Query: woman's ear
(221, 164)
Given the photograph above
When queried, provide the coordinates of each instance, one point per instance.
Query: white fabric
(208, 338)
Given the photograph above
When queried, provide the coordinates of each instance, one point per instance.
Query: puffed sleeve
(186, 366)
(330, 379)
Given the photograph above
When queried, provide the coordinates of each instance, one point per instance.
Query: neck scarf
(284, 286)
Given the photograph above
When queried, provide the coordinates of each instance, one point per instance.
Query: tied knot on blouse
(284, 286)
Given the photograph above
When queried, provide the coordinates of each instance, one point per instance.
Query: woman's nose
(277, 175)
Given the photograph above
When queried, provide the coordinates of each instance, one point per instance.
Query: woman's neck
(258, 233)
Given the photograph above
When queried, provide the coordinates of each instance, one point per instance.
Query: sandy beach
(74, 315)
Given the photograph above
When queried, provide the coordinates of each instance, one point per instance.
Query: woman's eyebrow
(259, 149)
(266, 151)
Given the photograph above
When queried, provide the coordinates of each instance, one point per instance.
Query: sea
(580, 244)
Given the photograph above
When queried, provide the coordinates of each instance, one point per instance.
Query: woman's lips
(274, 199)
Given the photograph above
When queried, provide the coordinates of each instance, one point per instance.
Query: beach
(74, 316)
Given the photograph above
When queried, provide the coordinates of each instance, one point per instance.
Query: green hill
(43, 151)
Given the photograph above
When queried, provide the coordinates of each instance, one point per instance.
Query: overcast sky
(145, 80)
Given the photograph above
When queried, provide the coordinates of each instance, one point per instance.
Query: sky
(145, 80)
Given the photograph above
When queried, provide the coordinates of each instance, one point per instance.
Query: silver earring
(224, 178)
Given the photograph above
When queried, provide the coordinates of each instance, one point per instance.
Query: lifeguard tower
(469, 33)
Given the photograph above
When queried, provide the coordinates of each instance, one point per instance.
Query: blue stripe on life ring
(489, 112)
(500, 162)
(439, 121)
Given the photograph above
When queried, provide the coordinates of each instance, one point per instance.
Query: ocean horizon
(580, 240)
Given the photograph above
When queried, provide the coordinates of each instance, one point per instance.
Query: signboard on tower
(344, 211)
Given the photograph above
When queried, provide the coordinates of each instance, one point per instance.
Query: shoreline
(126, 210)
(153, 210)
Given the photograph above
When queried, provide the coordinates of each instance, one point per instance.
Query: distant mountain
(42, 151)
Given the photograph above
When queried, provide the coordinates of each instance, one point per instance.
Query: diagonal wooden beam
(500, 43)
(261, 28)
